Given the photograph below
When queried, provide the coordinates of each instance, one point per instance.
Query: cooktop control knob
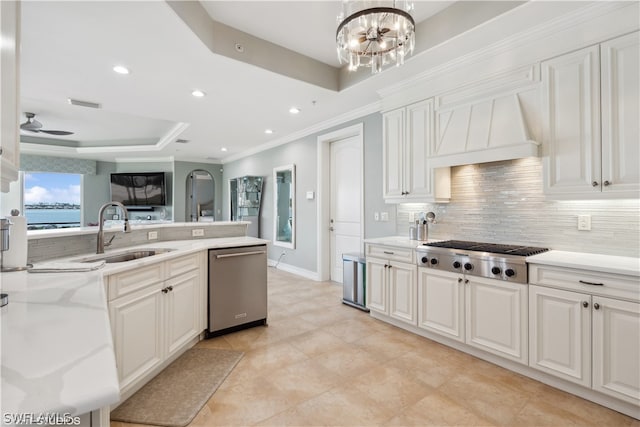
(509, 272)
(468, 266)
(495, 270)
(434, 261)
(456, 264)
(424, 260)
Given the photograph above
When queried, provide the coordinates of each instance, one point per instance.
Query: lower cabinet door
(560, 333)
(182, 310)
(616, 348)
(496, 317)
(402, 292)
(441, 303)
(377, 285)
(137, 328)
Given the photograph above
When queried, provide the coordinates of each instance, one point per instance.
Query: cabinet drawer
(130, 281)
(391, 253)
(178, 266)
(586, 281)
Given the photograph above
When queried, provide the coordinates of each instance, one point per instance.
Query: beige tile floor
(320, 362)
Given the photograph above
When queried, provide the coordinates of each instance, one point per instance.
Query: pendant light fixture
(375, 33)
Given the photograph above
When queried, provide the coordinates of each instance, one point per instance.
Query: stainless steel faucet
(127, 228)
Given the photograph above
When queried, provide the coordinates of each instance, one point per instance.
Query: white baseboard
(308, 274)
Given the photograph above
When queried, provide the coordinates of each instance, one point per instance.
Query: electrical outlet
(384, 216)
(412, 217)
(584, 222)
(376, 216)
(197, 232)
(152, 235)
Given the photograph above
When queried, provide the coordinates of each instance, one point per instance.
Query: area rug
(176, 395)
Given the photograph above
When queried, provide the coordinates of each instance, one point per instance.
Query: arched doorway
(200, 196)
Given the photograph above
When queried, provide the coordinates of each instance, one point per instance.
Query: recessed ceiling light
(294, 110)
(198, 93)
(120, 69)
(268, 131)
(223, 149)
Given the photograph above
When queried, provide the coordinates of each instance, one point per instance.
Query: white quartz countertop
(395, 241)
(57, 351)
(594, 262)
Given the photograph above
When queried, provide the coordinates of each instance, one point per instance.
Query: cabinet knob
(606, 183)
(466, 281)
(170, 288)
(585, 304)
(596, 306)
(165, 290)
(459, 280)
(594, 184)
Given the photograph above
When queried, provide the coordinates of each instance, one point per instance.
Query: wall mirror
(284, 204)
(200, 196)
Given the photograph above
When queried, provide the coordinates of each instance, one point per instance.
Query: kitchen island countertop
(57, 349)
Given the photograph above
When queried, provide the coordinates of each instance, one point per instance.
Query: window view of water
(52, 200)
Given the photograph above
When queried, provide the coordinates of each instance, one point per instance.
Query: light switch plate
(584, 222)
(197, 232)
(152, 235)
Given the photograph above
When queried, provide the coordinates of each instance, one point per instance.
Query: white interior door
(346, 201)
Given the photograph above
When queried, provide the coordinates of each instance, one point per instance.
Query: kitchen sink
(126, 256)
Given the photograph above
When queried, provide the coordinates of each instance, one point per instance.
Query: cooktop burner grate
(494, 248)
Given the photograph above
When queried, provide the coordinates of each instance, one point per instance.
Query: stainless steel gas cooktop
(491, 260)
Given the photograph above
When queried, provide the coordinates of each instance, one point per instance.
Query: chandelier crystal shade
(375, 33)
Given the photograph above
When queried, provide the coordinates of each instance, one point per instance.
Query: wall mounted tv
(139, 188)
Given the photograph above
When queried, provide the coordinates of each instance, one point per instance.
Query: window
(52, 200)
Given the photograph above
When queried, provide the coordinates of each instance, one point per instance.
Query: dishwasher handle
(240, 254)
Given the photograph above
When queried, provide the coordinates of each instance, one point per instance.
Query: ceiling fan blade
(362, 39)
(385, 30)
(56, 132)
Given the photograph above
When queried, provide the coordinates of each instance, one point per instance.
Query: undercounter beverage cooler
(354, 280)
(246, 198)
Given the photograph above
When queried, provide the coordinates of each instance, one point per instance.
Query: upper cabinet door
(393, 140)
(571, 122)
(620, 112)
(9, 91)
(418, 181)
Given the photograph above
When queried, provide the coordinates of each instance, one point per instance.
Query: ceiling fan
(32, 125)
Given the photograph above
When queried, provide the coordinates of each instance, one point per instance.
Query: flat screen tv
(138, 188)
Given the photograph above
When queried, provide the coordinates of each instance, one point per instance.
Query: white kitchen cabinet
(407, 176)
(391, 284)
(590, 121)
(182, 310)
(155, 312)
(441, 303)
(616, 348)
(403, 292)
(496, 317)
(9, 93)
(137, 328)
(560, 333)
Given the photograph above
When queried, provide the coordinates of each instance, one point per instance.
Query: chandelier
(375, 33)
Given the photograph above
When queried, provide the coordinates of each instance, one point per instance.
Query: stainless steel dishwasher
(237, 288)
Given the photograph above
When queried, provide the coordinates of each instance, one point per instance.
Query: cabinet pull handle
(596, 306)
(606, 183)
(170, 288)
(459, 280)
(594, 184)
(591, 283)
(466, 281)
(165, 290)
(585, 304)
(388, 252)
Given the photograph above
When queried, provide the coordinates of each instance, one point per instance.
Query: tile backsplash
(503, 202)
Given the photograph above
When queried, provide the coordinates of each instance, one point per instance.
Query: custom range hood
(487, 124)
